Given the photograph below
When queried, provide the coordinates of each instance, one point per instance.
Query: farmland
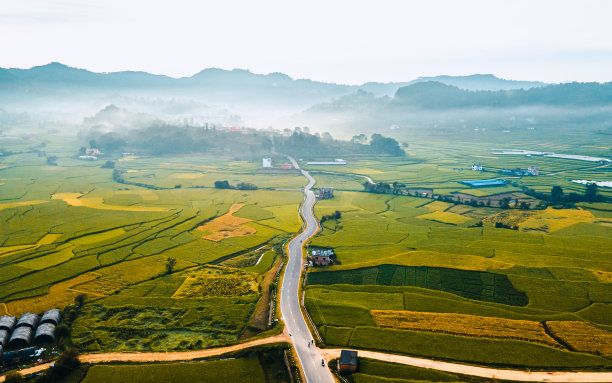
(263, 364)
(71, 229)
(407, 281)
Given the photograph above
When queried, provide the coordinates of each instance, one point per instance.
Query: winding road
(309, 356)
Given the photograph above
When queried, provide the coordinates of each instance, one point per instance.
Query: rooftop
(483, 183)
(348, 357)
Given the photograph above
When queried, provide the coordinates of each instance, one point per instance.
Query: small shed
(28, 319)
(4, 337)
(348, 361)
(7, 322)
(21, 337)
(51, 316)
(45, 333)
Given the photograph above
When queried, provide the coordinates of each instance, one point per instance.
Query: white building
(267, 162)
(477, 167)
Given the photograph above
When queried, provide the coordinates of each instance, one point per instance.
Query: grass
(510, 353)
(582, 336)
(556, 267)
(248, 370)
(226, 226)
(465, 325)
(370, 369)
(469, 284)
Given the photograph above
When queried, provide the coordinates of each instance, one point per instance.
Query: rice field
(464, 325)
(495, 284)
(71, 229)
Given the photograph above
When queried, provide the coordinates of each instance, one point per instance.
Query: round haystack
(7, 322)
(21, 337)
(52, 316)
(28, 319)
(45, 333)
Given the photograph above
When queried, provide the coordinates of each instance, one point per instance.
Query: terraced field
(71, 229)
(551, 273)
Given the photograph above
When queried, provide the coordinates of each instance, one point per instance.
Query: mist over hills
(55, 78)
(240, 97)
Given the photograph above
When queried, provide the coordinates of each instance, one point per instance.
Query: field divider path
(483, 372)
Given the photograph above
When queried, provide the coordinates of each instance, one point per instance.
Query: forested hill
(435, 95)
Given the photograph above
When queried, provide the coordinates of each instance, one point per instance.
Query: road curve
(484, 372)
(291, 313)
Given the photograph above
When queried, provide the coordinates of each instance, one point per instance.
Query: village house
(325, 193)
(477, 167)
(348, 361)
(322, 257)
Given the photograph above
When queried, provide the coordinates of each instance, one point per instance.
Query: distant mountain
(219, 85)
(472, 82)
(434, 104)
(435, 95)
(57, 78)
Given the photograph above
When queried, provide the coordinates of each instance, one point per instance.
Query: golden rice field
(582, 336)
(76, 199)
(216, 282)
(226, 226)
(464, 324)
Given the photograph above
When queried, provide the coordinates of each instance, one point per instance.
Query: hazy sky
(344, 41)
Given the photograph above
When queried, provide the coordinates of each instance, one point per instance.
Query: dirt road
(160, 356)
(489, 373)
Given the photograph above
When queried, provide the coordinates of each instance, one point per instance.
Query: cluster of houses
(530, 171)
(91, 154)
(28, 329)
(267, 164)
(322, 257)
(324, 193)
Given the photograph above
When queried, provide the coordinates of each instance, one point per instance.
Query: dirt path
(489, 373)
(160, 356)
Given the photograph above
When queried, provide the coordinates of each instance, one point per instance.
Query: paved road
(310, 357)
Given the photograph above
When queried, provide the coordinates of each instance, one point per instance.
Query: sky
(341, 41)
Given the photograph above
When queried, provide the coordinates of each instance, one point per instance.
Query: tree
(386, 145)
(361, 139)
(61, 331)
(556, 194)
(109, 165)
(222, 185)
(79, 300)
(170, 263)
(590, 194)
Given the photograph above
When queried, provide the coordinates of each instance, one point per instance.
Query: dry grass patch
(438, 206)
(464, 324)
(548, 220)
(556, 219)
(75, 199)
(217, 282)
(603, 276)
(10, 205)
(582, 336)
(59, 296)
(226, 226)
